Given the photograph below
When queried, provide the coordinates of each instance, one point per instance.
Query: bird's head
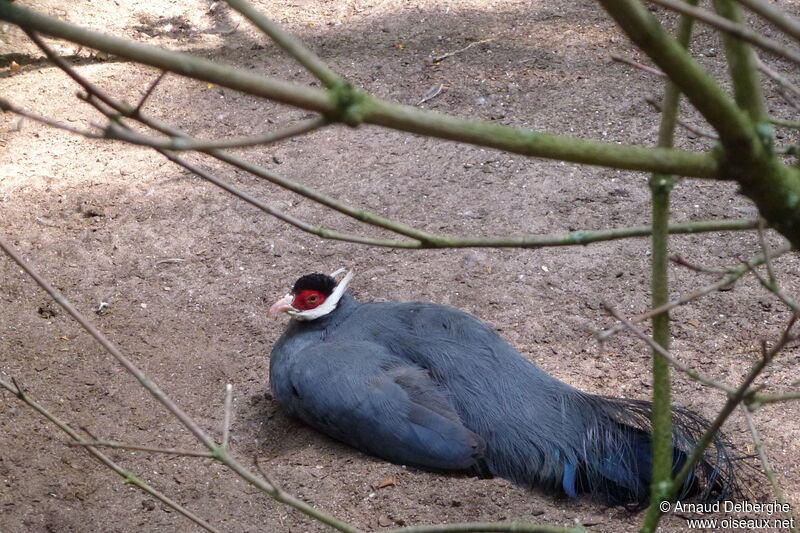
(313, 296)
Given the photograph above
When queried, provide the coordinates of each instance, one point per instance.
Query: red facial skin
(308, 299)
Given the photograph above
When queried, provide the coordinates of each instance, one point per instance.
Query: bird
(433, 387)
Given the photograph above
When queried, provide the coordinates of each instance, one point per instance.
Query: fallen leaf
(390, 481)
(14, 66)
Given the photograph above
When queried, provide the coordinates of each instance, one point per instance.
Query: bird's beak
(281, 306)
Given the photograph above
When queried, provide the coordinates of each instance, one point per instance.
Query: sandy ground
(188, 271)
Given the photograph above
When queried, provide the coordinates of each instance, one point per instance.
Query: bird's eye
(308, 299)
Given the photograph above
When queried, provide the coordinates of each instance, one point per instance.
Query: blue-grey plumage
(429, 385)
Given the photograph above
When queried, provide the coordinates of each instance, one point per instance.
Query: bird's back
(537, 430)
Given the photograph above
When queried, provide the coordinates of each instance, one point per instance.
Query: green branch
(731, 28)
(353, 106)
(742, 65)
(290, 44)
(660, 188)
(747, 156)
(782, 20)
(732, 124)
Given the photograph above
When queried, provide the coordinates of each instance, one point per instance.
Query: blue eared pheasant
(430, 386)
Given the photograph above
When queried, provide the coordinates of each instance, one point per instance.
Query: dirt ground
(188, 271)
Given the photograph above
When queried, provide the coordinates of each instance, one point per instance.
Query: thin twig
(775, 288)
(640, 66)
(737, 30)
(763, 399)
(8, 107)
(777, 491)
(289, 43)
(140, 448)
(765, 251)
(320, 231)
(777, 77)
(733, 275)
(781, 19)
(115, 131)
(110, 347)
(733, 400)
(149, 91)
(129, 477)
(786, 89)
(685, 125)
(226, 417)
(793, 124)
(442, 57)
(681, 261)
(692, 373)
(263, 473)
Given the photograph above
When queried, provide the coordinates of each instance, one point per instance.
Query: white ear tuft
(340, 271)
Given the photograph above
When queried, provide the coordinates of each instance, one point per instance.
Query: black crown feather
(316, 282)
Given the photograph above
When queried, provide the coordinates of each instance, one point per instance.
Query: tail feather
(617, 459)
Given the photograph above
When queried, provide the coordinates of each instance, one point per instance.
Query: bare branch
(421, 238)
(763, 399)
(289, 43)
(781, 19)
(740, 395)
(226, 418)
(685, 125)
(266, 476)
(692, 373)
(737, 30)
(442, 57)
(777, 491)
(17, 391)
(354, 107)
(784, 85)
(8, 107)
(640, 66)
(149, 91)
(765, 250)
(114, 131)
(777, 77)
(140, 448)
(110, 347)
(775, 288)
(733, 275)
(681, 261)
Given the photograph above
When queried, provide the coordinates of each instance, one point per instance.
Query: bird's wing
(361, 394)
